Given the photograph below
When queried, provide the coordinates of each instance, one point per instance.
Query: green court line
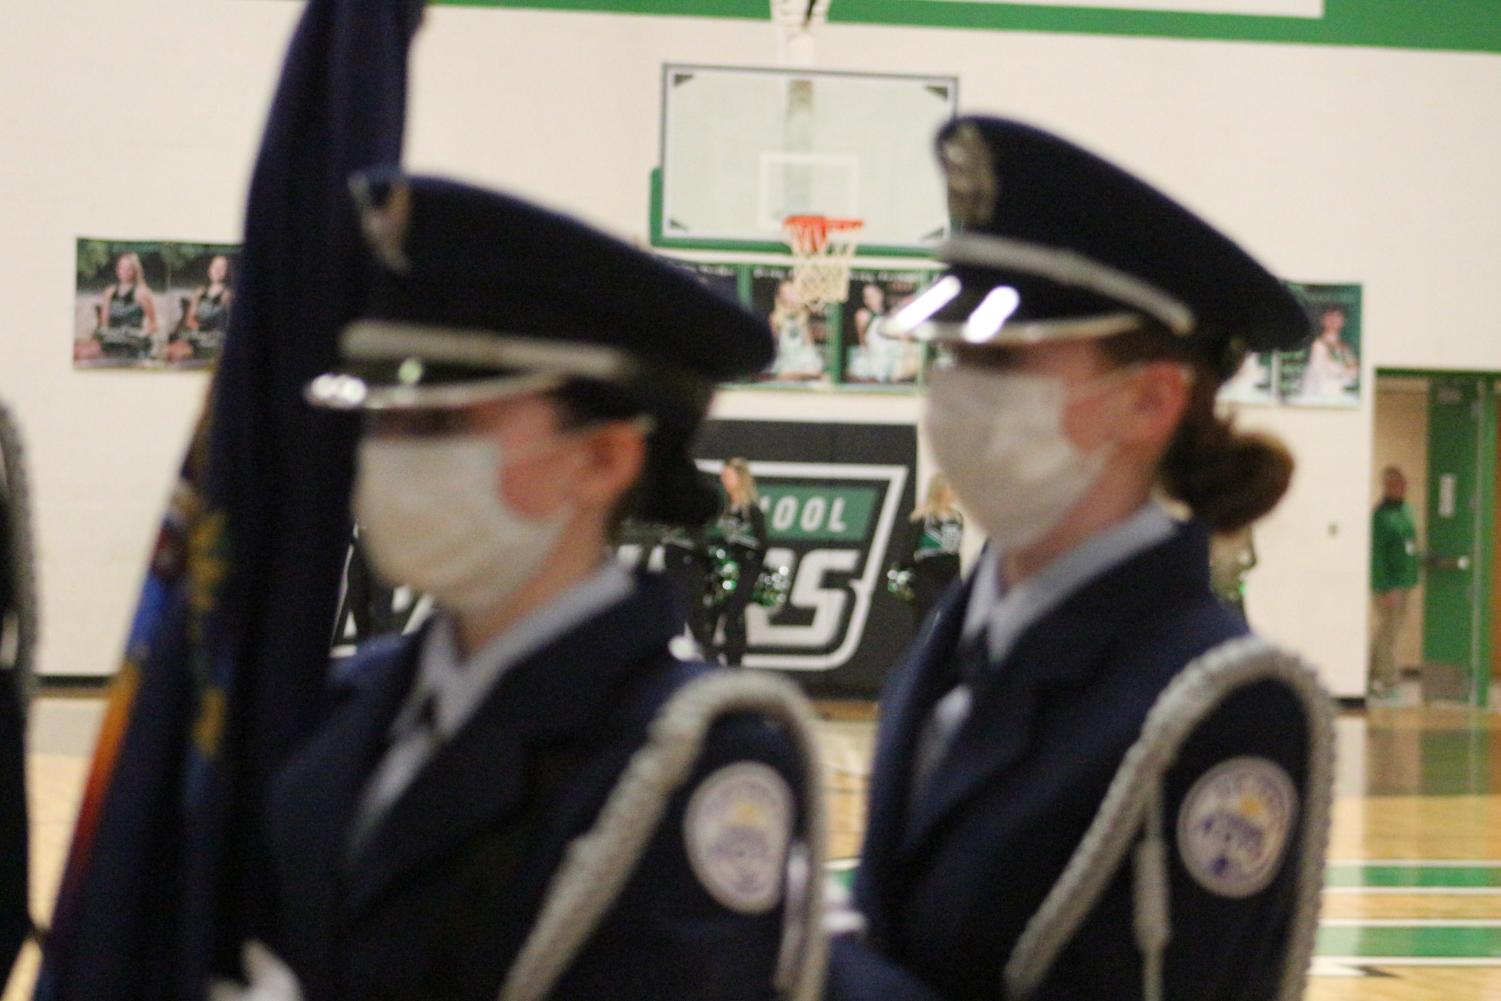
(1426, 942)
(1421, 876)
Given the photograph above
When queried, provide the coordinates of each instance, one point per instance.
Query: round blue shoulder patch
(737, 830)
(1234, 825)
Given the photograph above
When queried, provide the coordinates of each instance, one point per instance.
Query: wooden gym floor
(1412, 909)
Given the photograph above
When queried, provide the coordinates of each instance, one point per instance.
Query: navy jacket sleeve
(1229, 932)
(15, 920)
(669, 936)
(859, 973)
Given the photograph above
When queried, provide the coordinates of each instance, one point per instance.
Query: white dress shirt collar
(460, 684)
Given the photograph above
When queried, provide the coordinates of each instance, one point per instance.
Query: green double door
(1461, 501)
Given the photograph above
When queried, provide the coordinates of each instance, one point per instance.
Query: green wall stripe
(1449, 25)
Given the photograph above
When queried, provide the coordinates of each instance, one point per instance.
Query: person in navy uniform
(526, 383)
(1088, 321)
(15, 916)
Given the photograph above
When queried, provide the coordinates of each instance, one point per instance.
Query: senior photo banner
(1327, 372)
(151, 303)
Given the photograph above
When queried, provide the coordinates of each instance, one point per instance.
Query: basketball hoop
(822, 249)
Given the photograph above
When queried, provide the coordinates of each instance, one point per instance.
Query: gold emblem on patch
(970, 173)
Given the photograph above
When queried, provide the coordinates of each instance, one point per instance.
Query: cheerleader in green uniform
(205, 318)
(937, 529)
(126, 315)
(741, 529)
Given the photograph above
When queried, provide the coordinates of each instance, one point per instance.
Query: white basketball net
(822, 249)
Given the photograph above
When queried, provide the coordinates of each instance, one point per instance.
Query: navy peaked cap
(1053, 241)
(477, 293)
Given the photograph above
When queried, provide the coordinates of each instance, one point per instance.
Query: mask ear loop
(1101, 383)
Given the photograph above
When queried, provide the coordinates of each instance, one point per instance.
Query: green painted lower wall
(1447, 25)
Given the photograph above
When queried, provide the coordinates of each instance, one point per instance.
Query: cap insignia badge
(970, 173)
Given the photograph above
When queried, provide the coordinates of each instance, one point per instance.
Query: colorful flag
(225, 663)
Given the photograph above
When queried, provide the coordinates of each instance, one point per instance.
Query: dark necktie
(968, 667)
(972, 659)
(409, 747)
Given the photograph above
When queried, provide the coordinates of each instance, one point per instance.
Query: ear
(614, 457)
(1161, 396)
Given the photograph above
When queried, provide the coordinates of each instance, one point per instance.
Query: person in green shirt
(1394, 573)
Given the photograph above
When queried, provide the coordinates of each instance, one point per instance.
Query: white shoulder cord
(18, 637)
(599, 863)
(1135, 798)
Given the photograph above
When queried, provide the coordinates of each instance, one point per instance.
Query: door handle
(1448, 563)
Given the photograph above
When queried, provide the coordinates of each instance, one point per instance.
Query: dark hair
(1227, 477)
(669, 488)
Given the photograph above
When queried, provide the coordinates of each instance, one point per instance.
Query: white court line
(1322, 968)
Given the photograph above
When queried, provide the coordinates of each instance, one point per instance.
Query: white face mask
(999, 437)
(431, 517)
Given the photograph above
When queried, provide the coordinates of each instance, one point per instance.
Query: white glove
(268, 979)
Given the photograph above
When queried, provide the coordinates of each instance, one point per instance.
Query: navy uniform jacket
(948, 886)
(15, 918)
(446, 888)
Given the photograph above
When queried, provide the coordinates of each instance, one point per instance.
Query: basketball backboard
(742, 149)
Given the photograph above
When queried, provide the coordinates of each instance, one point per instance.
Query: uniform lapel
(905, 704)
(998, 729)
(314, 798)
(476, 779)
(1063, 648)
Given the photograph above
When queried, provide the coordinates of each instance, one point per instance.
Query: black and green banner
(836, 498)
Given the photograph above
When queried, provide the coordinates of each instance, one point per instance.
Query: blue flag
(226, 659)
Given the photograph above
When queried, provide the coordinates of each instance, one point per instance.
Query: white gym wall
(138, 120)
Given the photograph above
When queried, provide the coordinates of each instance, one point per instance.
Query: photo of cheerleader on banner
(871, 354)
(1254, 382)
(802, 334)
(1327, 372)
(151, 304)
